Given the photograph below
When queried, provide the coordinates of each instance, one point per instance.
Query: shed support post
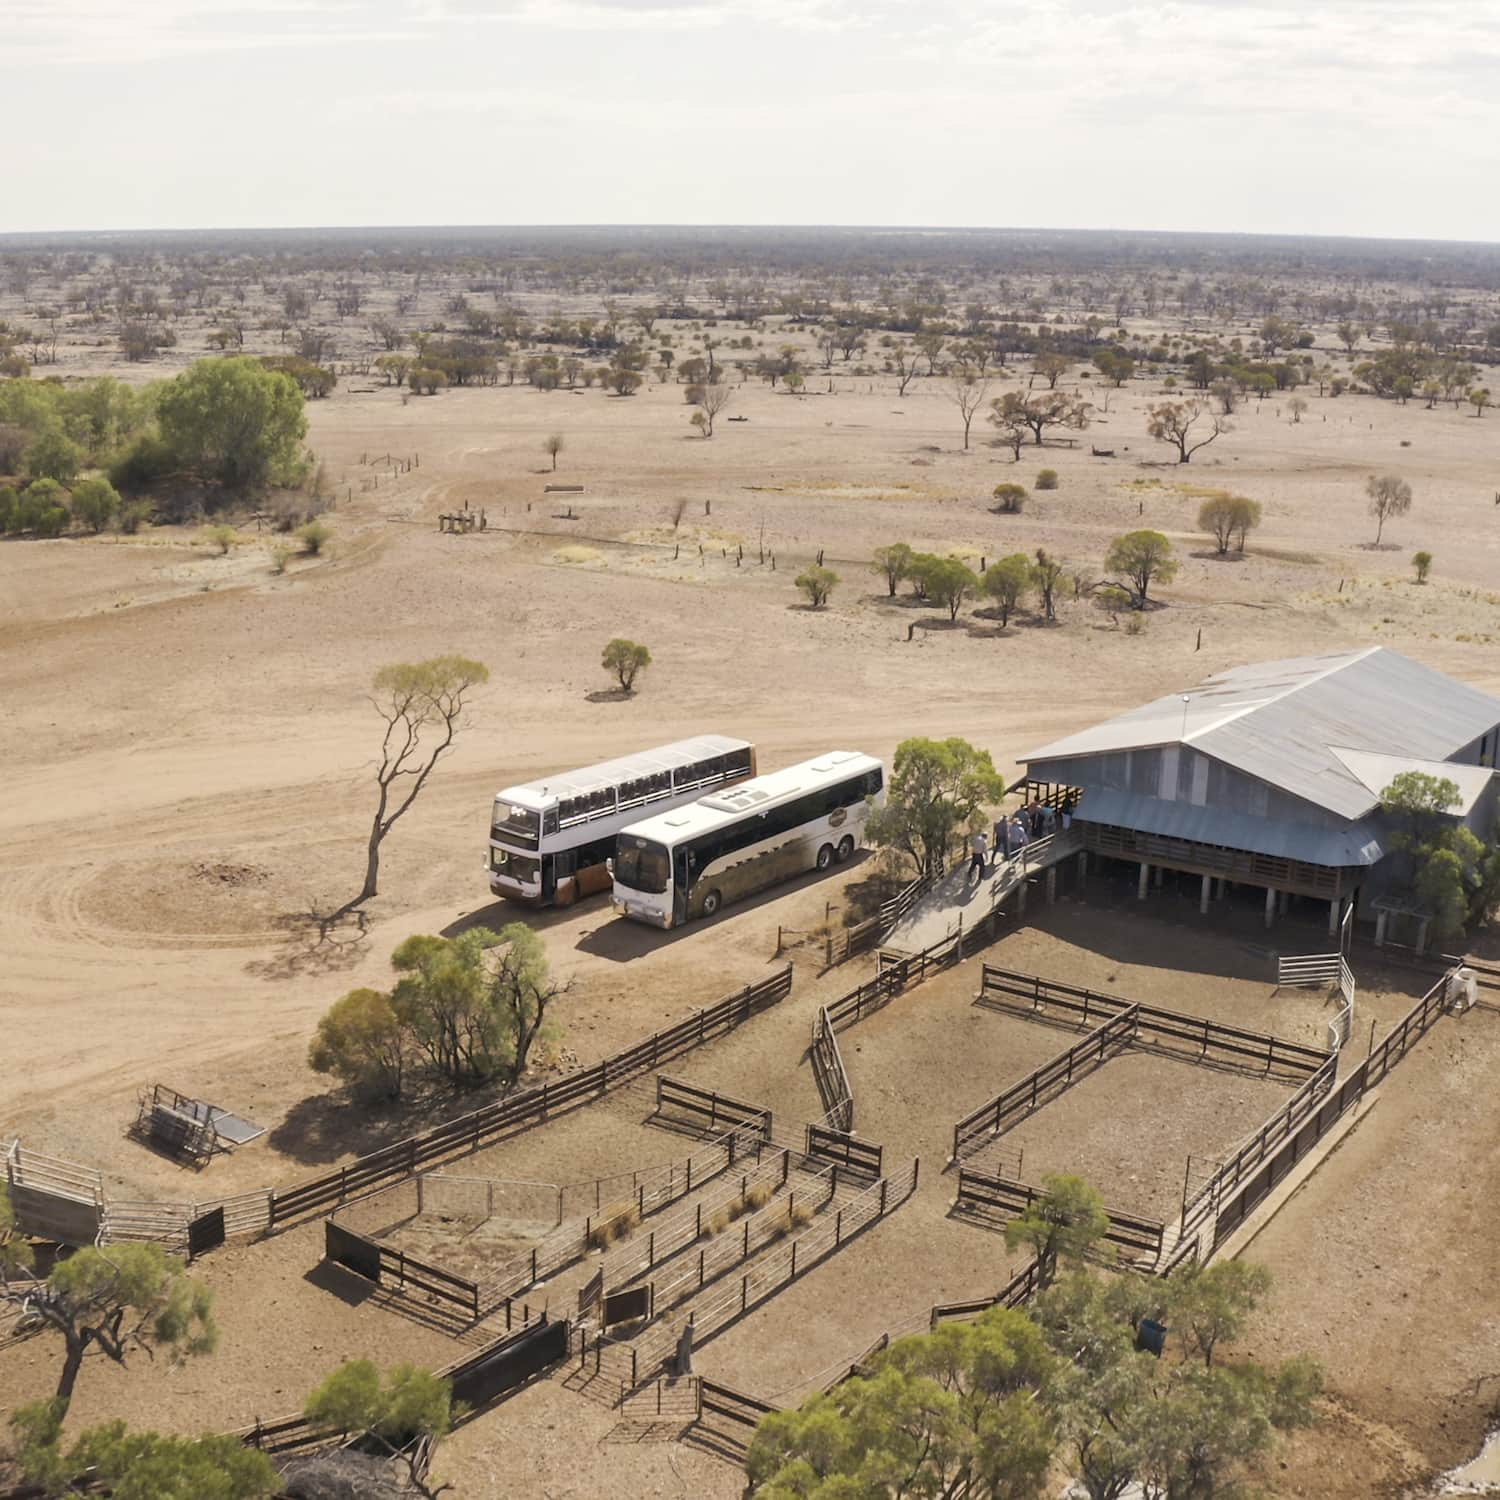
(1270, 904)
(1021, 896)
(1156, 875)
(1333, 916)
(1205, 890)
(1380, 917)
(1051, 884)
(1140, 889)
(1083, 865)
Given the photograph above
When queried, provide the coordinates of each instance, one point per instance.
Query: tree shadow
(318, 941)
(609, 695)
(1212, 554)
(324, 1127)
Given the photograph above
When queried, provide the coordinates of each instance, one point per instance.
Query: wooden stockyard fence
(981, 1193)
(630, 1363)
(872, 931)
(705, 1109)
(653, 1192)
(1169, 1031)
(55, 1193)
(475, 1380)
(1025, 1097)
(1243, 1179)
(830, 1074)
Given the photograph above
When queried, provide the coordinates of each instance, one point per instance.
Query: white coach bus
(688, 863)
(551, 840)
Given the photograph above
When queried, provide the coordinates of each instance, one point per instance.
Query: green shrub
(54, 455)
(53, 521)
(146, 462)
(313, 536)
(1422, 562)
(133, 515)
(221, 536)
(281, 555)
(8, 499)
(1047, 479)
(95, 503)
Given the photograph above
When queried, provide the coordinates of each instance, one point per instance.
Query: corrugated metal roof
(1357, 844)
(1377, 772)
(1279, 721)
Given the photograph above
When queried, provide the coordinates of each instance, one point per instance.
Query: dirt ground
(189, 778)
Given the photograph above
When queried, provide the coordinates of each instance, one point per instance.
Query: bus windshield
(642, 865)
(519, 823)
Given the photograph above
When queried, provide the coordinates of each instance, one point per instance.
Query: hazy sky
(1295, 116)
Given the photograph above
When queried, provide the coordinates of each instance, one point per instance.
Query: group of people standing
(1012, 832)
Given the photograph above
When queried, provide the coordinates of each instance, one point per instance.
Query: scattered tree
(817, 583)
(626, 659)
(95, 503)
(936, 790)
(1046, 479)
(396, 1414)
(1052, 368)
(1452, 874)
(1046, 572)
(945, 580)
(1036, 414)
(1297, 406)
(234, 423)
(136, 1465)
(1228, 516)
(710, 401)
(1479, 398)
(967, 394)
(422, 705)
(892, 563)
(221, 536)
(1006, 582)
(1422, 562)
(1185, 425)
(1009, 498)
(118, 1300)
(552, 445)
(1144, 557)
(362, 1041)
(54, 455)
(1390, 496)
(623, 382)
(1065, 1223)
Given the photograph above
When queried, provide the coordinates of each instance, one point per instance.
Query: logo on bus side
(838, 817)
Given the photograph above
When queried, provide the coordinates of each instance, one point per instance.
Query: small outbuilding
(1271, 775)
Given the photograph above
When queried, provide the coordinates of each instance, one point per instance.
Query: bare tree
(1389, 496)
(967, 394)
(710, 401)
(1182, 424)
(904, 362)
(423, 705)
(552, 445)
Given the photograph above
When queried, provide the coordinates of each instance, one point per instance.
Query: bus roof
(547, 790)
(751, 796)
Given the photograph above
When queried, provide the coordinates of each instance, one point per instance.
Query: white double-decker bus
(551, 840)
(689, 862)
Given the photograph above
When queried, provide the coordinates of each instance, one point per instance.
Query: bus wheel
(711, 903)
(846, 848)
(825, 856)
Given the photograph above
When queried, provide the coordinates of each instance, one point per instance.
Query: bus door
(680, 889)
(549, 879)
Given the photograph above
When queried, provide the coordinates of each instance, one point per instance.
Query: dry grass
(614, 1224)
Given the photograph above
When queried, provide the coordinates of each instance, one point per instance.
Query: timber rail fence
(830, 1074)
(650, 1192)
(1169, 1031)
(475, 1379)
(1244, 1178)
(1026, 1096)
(640, 1358)
(270, 1209)
(980, 1193)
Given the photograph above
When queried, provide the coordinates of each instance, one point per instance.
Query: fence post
(419, 1194)
(838, 1228)
(793, 1276)
(882, 1194)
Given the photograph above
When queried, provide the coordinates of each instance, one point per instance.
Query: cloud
(73, 32)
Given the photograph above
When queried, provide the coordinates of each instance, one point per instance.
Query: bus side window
(549, 821)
